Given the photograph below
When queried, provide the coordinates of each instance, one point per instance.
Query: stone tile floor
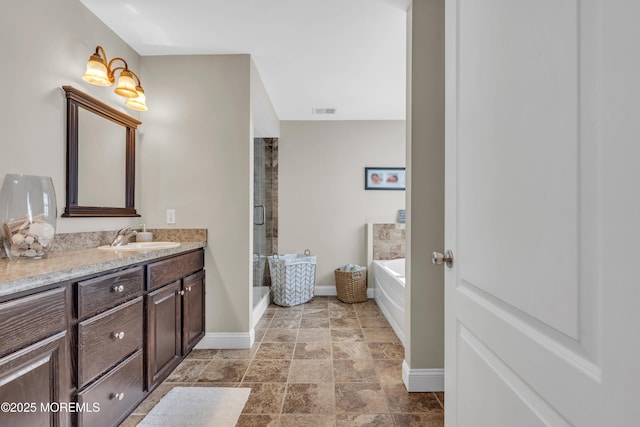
(323, 363)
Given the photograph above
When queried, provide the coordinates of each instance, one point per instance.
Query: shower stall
(265, 218)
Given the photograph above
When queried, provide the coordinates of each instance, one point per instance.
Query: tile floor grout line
(252, 358)
(381, 363)
(439, 401)
(205, 368)
(333, 375)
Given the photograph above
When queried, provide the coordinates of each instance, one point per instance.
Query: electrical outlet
(171, 216)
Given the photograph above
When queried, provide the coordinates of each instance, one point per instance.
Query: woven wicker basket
(351, 285)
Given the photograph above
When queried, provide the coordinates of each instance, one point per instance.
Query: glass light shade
(96, 72)
(139, 103)
(126, 85)
(28, 215)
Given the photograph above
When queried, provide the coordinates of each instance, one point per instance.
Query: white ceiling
(343, 54)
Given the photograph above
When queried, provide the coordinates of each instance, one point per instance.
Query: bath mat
(198, 407)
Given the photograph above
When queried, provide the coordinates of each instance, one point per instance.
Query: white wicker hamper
(293, 278)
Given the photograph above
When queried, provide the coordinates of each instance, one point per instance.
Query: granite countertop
(21, 275)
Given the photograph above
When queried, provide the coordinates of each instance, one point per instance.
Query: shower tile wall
(271, 189)
(271, 202)
(388, 241)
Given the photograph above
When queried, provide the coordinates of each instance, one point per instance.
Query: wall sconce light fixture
(100, 72)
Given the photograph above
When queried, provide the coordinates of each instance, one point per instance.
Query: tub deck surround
(386, 253)
(384, 241)
(22, 275)
(388, 241)
(388, 276)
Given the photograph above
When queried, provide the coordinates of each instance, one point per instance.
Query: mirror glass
(100, 158)
(101, 161)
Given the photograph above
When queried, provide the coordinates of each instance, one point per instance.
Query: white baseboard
(422, 380)
(258, 310)
(326, 290)
(330, 291)
(227, 340)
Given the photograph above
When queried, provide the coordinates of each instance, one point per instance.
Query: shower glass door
(259, 221)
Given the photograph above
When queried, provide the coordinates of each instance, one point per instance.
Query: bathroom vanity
(86, 350)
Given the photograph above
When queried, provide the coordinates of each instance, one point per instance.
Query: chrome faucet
(123, 236)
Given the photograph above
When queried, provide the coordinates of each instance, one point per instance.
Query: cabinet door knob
(181, 292)
(117, 335)
(189, 288)
(118, 396)
(119, 288)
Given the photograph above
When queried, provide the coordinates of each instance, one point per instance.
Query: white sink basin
(140, 246)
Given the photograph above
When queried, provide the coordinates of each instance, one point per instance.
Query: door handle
(438, 258)
(264, 215)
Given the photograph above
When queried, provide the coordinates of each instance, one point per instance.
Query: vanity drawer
(163, 272)
(107, 338)
(29, 319)
(116, 394)
(108, 290)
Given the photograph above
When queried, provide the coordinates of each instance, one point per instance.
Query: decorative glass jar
(27, 215)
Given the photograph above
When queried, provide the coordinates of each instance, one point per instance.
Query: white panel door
(542, 302)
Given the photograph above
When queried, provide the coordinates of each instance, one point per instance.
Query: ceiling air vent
(323, 110)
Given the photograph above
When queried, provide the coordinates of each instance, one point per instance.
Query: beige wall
(425, 197)
(194, 146)
(196, 157)
(323, 205)
(46, 44)
(195, 149)
(265, 121)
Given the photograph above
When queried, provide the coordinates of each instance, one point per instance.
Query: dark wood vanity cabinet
(34, 360)
(193, 317)
(98, 345)
(117, 393)
(175, 312)
(164, 332)
(109, 350)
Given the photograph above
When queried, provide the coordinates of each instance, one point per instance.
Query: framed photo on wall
(384, 178)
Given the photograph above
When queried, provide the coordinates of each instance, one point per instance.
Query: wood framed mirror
(101, 158)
